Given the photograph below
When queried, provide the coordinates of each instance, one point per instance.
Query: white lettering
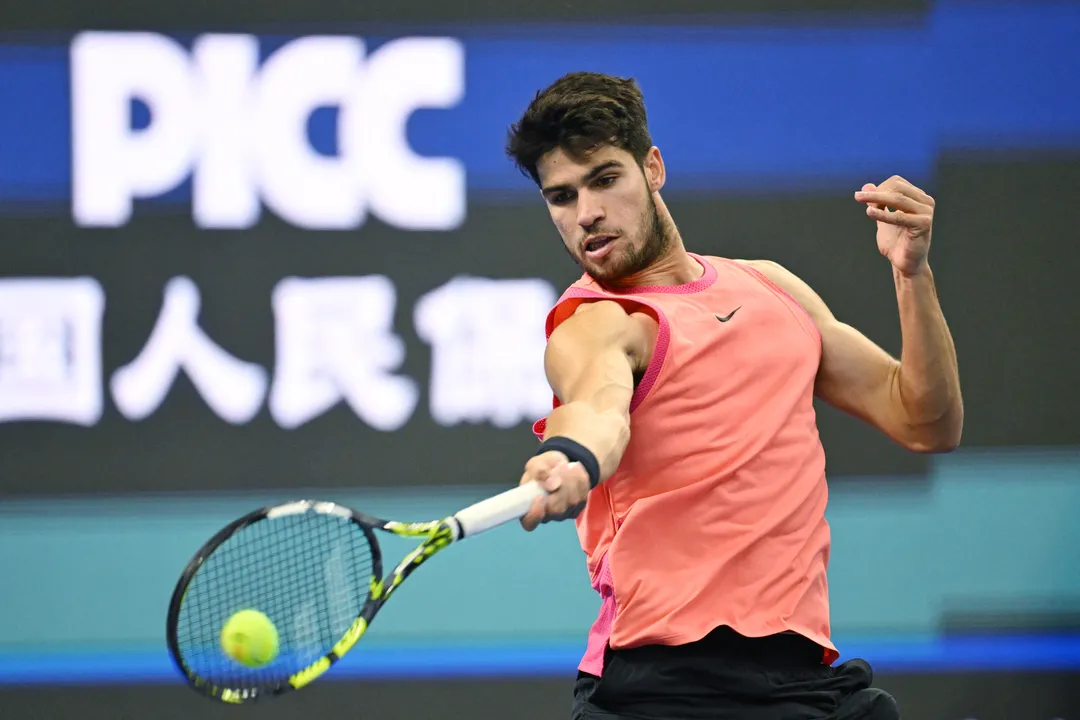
(311, 190)
(50, 349)
(334, 340)
(113, 164)
(233, 389)
(240, 131)
(408, 191)
(488, 342)
(224, 191)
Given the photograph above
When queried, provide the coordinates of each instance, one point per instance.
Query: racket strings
(309, 573)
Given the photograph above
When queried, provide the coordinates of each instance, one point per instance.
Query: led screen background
(769, 118)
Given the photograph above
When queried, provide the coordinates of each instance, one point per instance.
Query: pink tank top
(716, 515)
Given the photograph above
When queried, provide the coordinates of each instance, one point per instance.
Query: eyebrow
(592, 174)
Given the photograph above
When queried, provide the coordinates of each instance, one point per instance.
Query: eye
(606, 180)
(560, 198)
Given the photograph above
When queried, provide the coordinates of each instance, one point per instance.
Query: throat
(671, 271)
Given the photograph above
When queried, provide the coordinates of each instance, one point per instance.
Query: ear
(653, 167)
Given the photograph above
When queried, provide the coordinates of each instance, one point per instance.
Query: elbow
(939, 437)
(933, 446)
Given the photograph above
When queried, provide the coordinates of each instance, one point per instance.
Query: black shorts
(731, 677)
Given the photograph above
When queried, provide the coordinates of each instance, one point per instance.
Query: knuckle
(550, 459)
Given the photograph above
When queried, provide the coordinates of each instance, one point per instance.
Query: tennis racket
(315, 570)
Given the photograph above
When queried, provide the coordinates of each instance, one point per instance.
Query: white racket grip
(501, 508)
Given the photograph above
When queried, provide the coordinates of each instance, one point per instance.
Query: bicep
(592, 356)
(858, 377)
(855, 375)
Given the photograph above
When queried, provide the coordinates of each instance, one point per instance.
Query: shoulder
(775, 273)
(606, 323)
(794, 286)
(603, 309)
(768, 268)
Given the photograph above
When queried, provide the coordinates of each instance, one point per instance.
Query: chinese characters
(335, 343)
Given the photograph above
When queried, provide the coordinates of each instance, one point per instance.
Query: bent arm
(928, 377)
(590, 361)
(916, 400)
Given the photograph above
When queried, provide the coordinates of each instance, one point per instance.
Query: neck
(674, 267)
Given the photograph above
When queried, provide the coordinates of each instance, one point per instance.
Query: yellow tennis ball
(250, 638)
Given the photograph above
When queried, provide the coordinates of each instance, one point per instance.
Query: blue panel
(902, 555)
(792, 108)
(35, 124)
(1007, 75)
(962, 654)
(784, 109)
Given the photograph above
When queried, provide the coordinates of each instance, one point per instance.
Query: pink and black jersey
(716, 514)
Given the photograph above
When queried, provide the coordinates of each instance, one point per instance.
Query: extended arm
(590, 362)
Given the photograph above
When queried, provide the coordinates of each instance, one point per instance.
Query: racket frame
(437, 535)
(302, 677)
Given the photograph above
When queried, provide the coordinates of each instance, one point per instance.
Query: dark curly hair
(580, 112)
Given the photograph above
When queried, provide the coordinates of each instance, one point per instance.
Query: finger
(551, 481)
(573, 482)
(868, 187)
(905, 187)
(549, 460)
(544, 470)
(893, 199)
(917, 194)
(560, 474)
(898, 217)
(559, 502)
(531, 519)
(576, 468)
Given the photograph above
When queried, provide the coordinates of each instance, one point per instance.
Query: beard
(631, 259)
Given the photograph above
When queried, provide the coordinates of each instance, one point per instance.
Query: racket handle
(497, 510)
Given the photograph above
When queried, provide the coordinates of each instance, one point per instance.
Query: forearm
(928, 381)
(605, 433)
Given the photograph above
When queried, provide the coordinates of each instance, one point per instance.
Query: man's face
(604, 209)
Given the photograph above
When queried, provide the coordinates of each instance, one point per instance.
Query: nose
(589, 210)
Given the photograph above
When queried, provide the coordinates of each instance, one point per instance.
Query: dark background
(1005, 257)
(976, 696)
(205, 14)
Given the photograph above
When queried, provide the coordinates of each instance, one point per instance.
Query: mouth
(598, 245)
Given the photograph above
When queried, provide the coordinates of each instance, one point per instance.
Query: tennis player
(683, 437)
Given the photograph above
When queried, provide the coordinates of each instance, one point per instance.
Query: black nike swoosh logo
(729, 316)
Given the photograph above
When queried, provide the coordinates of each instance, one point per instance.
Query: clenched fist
(567, 484)
(905, 217)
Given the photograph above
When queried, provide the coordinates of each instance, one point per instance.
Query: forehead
(560, 168)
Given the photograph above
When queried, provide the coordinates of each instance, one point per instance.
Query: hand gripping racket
(315, 570)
